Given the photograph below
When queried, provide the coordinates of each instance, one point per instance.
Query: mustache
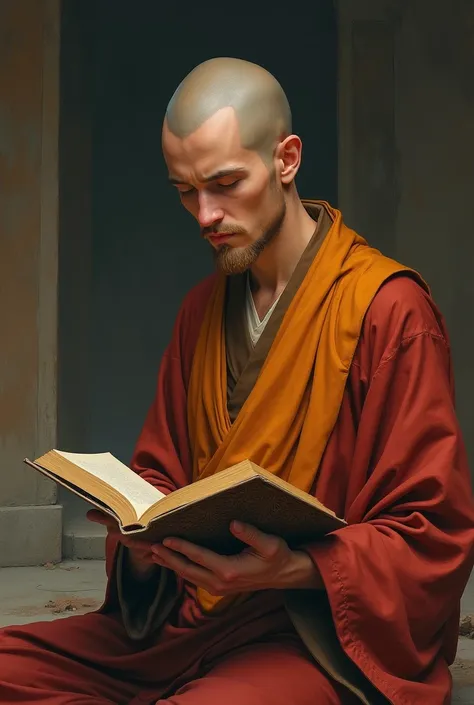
(228, 230)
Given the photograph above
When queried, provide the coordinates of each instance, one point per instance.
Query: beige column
(30, 519)
(406, 146)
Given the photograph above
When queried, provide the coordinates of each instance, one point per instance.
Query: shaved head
(258, 100)
(228, 145)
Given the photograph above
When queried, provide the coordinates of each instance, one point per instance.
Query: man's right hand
(140, 555)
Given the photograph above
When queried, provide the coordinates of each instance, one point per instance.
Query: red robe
(395, 468)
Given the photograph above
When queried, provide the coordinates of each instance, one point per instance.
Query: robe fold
(394, 466)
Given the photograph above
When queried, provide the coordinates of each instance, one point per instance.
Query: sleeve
(395, 575)
(161, 457)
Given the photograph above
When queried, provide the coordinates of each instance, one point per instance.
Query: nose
(209, 213)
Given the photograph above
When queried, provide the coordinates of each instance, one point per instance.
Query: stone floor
(50, 592)
(76, 587)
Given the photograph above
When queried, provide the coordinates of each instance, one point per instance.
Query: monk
(326, 363)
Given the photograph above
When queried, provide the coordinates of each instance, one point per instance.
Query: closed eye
(232, 184)
(183, 191)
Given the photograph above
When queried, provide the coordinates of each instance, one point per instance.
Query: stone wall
(406, 150)
(30, 520)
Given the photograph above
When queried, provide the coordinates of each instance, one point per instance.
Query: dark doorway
(137, 250)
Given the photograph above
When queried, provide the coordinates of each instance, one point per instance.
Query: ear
(288, 156)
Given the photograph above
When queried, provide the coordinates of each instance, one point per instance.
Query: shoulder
(402, 304)
(190, 316)
(198, 296)
(401, 311)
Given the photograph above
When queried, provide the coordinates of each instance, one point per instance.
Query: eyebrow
(213, 177)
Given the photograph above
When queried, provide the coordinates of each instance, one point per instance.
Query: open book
(200, 512)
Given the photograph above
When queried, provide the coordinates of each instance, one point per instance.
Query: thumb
(265, 545)
(101, 518)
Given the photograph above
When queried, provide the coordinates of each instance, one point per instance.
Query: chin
(235, 260)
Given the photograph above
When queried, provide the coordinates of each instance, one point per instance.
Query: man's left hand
(267, 563)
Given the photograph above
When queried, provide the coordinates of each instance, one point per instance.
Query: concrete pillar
(30, 519)
(406, 151)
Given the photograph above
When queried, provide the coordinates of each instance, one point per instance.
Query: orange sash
(286, 421)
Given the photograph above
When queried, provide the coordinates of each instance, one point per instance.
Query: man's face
(236, 198)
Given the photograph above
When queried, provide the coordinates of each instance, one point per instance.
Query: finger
(182, 566)
(266, 545)
(101, 518)
(201, 556)
(136, 544)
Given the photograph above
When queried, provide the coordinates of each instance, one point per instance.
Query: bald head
(258, 100)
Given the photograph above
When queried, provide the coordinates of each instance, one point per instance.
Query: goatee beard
(236, 260)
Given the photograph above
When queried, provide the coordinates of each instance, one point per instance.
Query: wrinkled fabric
(289, 415)
(394, 467)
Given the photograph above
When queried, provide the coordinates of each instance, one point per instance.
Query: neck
(274, 267)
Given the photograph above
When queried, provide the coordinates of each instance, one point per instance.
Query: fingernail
(238, 527)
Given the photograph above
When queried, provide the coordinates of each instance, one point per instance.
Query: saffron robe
(394, 467)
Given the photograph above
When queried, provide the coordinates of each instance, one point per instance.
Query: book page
(109, 469)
